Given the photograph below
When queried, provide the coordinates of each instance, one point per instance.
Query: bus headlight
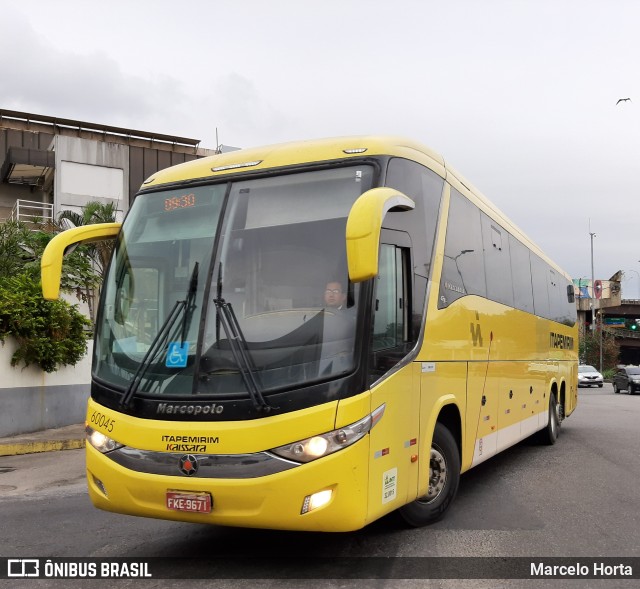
(101, 442)
(330, 442)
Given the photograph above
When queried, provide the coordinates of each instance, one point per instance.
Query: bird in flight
(623, 100)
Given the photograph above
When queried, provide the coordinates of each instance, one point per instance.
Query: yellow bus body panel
(393, 476)
(441, 384)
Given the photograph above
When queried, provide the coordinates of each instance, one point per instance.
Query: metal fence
(29, 211)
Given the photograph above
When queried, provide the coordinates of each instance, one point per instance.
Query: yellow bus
(309, 336)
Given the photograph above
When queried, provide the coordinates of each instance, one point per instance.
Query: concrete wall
(32, 400)
(88, 170)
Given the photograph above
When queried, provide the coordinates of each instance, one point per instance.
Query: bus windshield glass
(279, 311)
(282, 273)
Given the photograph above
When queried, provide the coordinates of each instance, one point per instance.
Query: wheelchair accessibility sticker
(177, 355)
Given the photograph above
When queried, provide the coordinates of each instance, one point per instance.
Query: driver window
(391, 302)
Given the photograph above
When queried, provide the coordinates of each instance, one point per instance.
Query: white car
(588, 376)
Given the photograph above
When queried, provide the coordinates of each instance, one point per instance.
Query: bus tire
(444, 477)
(549, 434)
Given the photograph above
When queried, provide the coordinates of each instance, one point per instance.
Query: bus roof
(296, 153)
(338, 148)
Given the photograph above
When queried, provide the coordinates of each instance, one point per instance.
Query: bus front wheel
(444, 476)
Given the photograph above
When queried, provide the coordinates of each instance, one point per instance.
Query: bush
(48, 333)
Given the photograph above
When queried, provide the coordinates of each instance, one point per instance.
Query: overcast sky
(519, 96)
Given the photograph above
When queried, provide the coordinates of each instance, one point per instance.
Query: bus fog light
(98, 483)
(315, 501)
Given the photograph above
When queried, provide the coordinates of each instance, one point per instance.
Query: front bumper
(590, 382)
(271, 501)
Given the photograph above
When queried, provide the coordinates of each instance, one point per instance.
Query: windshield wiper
(189, 304)
(238, 345)
(186, 306)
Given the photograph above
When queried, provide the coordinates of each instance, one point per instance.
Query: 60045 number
(102, 421)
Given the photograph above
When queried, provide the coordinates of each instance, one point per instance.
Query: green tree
(15, 238)
(93, 212)
(590, 349)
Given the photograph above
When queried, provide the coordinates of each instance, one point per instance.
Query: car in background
(627, 378)
(588, 376)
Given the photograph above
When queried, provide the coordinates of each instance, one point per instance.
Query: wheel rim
(437, 475)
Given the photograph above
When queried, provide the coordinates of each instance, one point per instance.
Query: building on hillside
(600, 305)
(592, 296)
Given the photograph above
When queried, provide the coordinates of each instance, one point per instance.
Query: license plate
(192, 502)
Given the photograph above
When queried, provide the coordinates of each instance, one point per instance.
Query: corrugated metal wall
(144, 161)
(17, 138)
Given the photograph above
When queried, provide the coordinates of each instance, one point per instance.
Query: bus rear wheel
(549, 434)
(444, 477)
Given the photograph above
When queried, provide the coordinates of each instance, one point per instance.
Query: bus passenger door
(393, 476)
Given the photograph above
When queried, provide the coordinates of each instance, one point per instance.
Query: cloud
(41, 79)
(241, 112)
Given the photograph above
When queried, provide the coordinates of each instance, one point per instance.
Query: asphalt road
(578, 498)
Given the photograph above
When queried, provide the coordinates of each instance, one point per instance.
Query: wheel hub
(437, 475)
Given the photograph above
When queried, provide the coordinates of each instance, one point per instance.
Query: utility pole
(595, 317)
(593, 282)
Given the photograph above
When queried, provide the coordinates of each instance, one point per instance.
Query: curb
(16, 448)
(70, 437)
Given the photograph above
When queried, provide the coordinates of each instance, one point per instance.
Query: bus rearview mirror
(364, 225)
(63, 243)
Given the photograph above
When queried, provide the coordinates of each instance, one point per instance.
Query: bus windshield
(271, 309)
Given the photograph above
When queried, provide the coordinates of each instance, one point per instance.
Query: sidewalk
(70, 437)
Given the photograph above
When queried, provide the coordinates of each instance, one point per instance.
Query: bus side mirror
(571, 294)
(363, 229)
(51, 264)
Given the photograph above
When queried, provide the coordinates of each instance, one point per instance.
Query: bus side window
(391, 309)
